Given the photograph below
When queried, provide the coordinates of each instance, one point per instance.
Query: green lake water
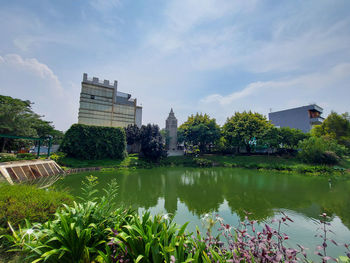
(190, 193)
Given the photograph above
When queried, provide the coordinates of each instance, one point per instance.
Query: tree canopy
(200, 130)
(18, 118)
(336, 126)
(243, 129)
(151, 142)
(133, 134)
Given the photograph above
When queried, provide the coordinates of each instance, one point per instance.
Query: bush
(321, 150)
(6, 157)
(26, 156)
(94, 142)
(203, 162)
(57, 156)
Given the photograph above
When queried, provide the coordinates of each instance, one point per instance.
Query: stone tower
(171, 128)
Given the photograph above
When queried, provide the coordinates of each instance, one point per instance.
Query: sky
(206, 56)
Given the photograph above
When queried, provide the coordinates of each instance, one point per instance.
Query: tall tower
(171, 128)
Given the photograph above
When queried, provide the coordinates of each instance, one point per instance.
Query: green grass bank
(271, 162)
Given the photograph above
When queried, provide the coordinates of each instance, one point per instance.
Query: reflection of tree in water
(260, 193)
(339, 201)
(141, 190)
(200, 192)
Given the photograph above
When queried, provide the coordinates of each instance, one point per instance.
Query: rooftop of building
(307, 107)
(106, 84)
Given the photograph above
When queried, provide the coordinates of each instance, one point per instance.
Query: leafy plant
(150, 239)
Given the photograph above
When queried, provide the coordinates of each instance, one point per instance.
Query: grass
(21, 202)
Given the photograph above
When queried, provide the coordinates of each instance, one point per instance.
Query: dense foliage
(17, 118)
(336, 126)
(152, 146)
(94, 142)
(199, 130)
(321, 150)
(133, 134)
(244, 129)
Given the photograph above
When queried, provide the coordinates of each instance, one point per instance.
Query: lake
(191, 193)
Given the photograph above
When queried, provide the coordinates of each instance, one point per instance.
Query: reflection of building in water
(101, 104)
(302, 118)
(170, 192)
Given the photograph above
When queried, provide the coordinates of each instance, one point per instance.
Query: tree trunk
(4, 141)
(248, 148)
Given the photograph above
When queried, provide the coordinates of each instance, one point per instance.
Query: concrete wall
(138, 119)
(297, 118)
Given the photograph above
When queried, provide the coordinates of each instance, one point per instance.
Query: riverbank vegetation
(264, 162)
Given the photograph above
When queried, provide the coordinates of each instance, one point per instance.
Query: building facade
(302, 118)
(101, 104)
(171, 128)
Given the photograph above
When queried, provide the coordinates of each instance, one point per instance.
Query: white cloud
(329, 89)
(29, 79)
(211, 35)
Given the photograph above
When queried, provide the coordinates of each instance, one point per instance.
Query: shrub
(57, 156)
(321, 150)
(5, 157)
(26, 156)
(203, 162)
(94, 142)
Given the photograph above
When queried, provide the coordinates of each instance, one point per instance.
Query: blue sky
(215, 57)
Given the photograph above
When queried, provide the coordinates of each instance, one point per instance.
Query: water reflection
(204, 190)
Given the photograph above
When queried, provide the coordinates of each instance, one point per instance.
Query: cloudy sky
(210, 56)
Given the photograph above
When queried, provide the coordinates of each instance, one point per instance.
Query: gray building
(171, 128)
(101, 104)
(302, 118)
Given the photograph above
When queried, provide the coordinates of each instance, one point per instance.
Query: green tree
(289, 137)
(133, 134)
(200, 130)
(242, 129)
(166, 137)
(16, 117)
(336, 126)
(152, 146)
(45, 128)
(272, 138)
